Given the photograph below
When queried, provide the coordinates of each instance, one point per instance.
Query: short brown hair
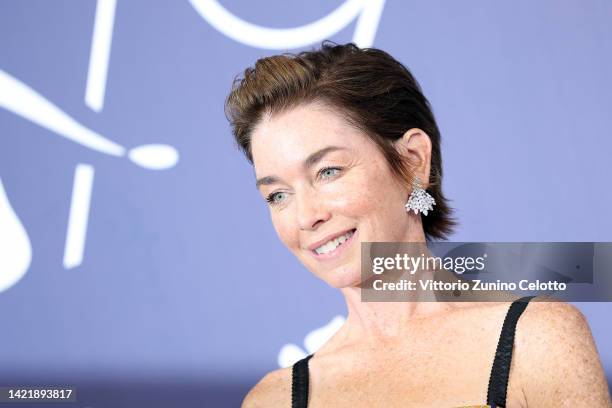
(377, 94)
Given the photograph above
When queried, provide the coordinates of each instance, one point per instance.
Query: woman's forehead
(299, 121)
(301, 130)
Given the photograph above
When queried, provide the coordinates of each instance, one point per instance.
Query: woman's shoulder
(550, 324)
(273, 390)
(541, 313)
(550, 328)
(554, 338)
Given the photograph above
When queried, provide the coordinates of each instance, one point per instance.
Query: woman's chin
(341, 278)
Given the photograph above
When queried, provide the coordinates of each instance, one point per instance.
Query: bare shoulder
(554, 315)
(554, 326)
(557, 357)
(273, 390)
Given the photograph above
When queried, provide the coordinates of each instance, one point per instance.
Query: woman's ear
(415, 145)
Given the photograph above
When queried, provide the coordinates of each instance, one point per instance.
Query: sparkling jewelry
(419, 200)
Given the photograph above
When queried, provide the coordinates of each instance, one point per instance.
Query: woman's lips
(338, 250)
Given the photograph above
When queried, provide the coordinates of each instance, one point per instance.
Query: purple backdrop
(132, 268)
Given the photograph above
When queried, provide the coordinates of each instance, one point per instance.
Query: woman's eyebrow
(309, 162)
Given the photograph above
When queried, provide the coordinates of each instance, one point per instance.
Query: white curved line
(367, 23)
(100, 51)
(15, 245)
(277, 38)
(24, 101)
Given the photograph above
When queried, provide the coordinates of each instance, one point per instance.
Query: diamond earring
(419, 200)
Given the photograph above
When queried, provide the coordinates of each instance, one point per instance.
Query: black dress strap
(500, 372)
(299, 383)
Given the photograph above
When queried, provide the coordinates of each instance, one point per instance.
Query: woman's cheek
(338, 199)
(355, 197)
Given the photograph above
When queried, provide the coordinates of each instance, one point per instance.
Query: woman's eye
(325, 173)
(328, 172)
(274, 197)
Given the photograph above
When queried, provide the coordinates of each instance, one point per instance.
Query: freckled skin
(401, 354)
(363, 195)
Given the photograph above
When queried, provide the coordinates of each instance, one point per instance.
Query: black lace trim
(500, 372)
(299, 383)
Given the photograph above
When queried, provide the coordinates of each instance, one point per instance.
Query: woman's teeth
(334, 243)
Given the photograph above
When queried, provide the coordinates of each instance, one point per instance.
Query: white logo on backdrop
(290, 353)
(22, 100)
(367, 13)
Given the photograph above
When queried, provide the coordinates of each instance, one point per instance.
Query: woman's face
(326, 179)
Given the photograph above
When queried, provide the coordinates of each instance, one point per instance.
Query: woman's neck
(373, 322)
(376, 322)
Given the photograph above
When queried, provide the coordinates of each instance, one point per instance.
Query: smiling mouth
(332, 245)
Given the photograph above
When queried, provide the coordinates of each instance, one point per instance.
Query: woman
(342, 142)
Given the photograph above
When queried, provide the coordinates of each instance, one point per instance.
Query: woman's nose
(311, 210)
